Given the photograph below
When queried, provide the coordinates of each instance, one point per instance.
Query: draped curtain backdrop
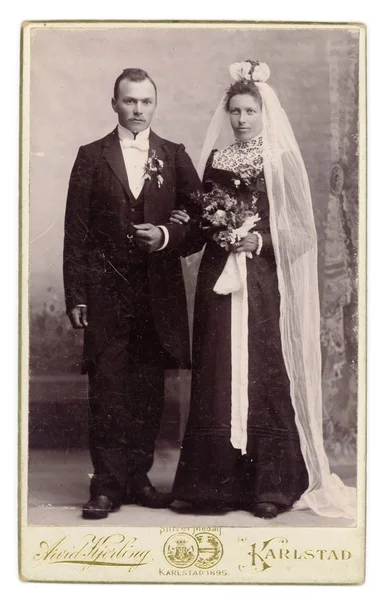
(339, 292)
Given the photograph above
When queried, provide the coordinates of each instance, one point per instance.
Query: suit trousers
(126, 397)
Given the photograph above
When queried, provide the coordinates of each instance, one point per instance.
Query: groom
(124, 286)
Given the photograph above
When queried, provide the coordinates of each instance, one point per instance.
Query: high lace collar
(252, 143)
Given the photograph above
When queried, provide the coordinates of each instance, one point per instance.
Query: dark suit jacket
(98, 219)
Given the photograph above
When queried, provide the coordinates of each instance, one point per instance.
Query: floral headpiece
(250, 70)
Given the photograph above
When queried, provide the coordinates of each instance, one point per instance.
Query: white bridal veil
(294, 241)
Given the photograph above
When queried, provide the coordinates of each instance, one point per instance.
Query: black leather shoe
(99, 507)
(148, 496)
(265, 510)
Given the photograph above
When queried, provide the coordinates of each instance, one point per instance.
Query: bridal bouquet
(227, 219)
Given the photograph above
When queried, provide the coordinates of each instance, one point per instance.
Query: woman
(253, 437)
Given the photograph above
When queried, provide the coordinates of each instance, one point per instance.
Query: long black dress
(210, 470)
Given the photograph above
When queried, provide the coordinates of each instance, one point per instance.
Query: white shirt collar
(125, 133)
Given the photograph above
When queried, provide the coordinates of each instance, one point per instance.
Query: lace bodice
(242, 158)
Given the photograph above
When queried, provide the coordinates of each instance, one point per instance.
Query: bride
(254, 434)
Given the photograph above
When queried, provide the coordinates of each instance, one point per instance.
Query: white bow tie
(142, 145)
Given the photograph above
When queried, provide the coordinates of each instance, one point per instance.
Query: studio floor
(59, 481)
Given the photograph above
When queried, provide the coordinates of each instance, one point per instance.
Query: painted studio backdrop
(315, 75)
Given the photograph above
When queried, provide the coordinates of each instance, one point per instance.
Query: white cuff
(166, 237)
(81, 305)
(260, 242)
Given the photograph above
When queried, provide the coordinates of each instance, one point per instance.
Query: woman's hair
(242, 87)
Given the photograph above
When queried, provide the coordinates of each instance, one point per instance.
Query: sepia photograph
(192, 304)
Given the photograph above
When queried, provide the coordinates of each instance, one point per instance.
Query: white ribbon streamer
(233, 280)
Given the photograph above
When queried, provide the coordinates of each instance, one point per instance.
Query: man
(124, 286)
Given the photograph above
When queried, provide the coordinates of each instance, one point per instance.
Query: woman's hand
(248, 244)
(180, 217)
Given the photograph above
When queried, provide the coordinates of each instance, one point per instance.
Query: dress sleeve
(267, 241)
(207, 181)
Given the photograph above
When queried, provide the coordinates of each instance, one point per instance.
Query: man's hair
(132, 75)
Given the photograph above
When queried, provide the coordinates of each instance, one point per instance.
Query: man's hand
(248, 244)
(179, 217)
(149, 237)
(78, 317)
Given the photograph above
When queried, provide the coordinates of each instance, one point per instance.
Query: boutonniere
(153, 168)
